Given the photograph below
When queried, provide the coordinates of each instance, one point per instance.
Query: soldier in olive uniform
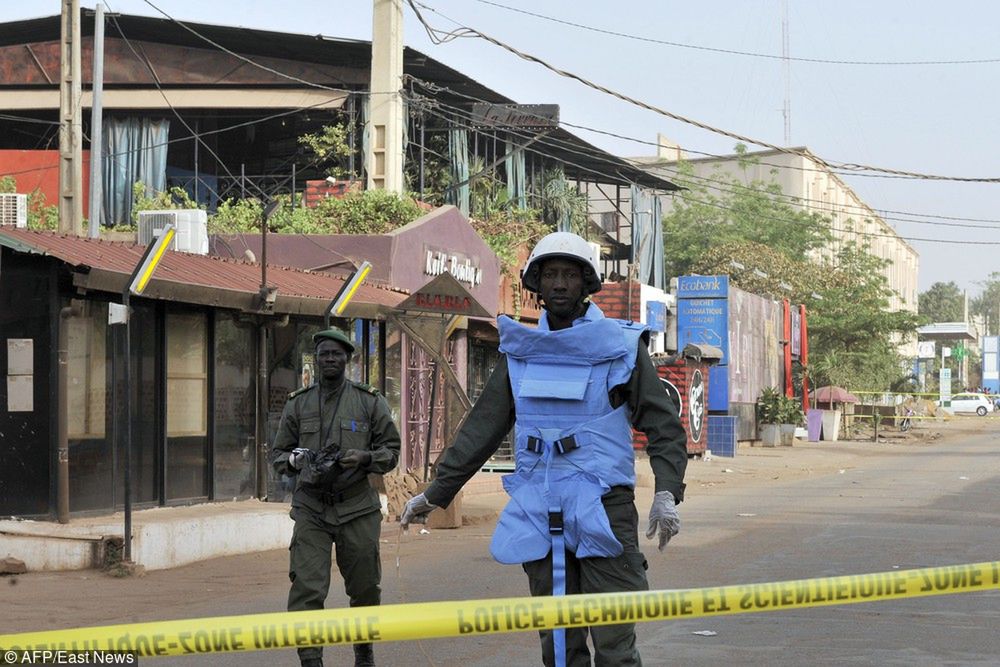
(332, 434)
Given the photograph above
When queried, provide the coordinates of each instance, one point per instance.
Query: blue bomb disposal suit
(573, 393)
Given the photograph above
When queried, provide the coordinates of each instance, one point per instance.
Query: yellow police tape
(426, 620)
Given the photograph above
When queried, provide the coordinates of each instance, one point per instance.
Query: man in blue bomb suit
(572, 389)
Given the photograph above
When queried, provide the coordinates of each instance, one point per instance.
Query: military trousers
(311, 557)
(613, 644)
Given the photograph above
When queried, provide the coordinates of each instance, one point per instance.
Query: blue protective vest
(570, 445)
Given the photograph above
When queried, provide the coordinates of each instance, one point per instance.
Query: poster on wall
(307, 375)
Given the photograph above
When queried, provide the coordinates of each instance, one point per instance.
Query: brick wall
(316, 191)
(613, 299)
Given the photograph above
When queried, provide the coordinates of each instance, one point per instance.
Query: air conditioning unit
(14, 210)
(190, 225)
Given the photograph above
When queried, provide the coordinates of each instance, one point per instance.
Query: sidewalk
(174, 536)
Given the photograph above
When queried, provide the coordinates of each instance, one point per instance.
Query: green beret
(334, 334)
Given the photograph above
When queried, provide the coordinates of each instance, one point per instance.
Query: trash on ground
(424, 531)
(705, 633)
(746, 514)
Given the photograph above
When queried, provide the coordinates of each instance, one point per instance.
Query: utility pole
(96, 126)
(384, 159)
(70, 128)
(785, 53)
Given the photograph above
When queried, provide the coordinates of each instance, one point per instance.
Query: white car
(969, 402)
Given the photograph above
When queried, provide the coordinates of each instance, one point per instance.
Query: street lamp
(137, 283)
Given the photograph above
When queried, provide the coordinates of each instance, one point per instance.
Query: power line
(204, 133)
(856, 232)
(464, 115)
(734, 52)
(248, 61)
(668, 165)
(22, 119)
(145, 60)
(438, 37)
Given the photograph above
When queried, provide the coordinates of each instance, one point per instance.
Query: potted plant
(769, 407)
(791, 417)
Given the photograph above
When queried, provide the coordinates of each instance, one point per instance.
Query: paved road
(897, 506)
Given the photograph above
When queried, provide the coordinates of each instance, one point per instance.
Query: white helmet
(568, 246)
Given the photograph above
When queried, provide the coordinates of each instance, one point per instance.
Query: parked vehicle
(969, 402)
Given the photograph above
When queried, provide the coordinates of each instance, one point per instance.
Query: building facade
(807, 184)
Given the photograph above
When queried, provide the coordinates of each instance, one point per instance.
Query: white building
(811, 186)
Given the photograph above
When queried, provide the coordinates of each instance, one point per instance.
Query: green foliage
(40, 216)
(144, 199)
(942, 302)
(437, 169)
(769, 406)
(330, 147)
(791, 411)
(236, 216)
(562, 201)
(368, 212)
(987, 304)
(723, 209)
(505, 234)
(767, 247)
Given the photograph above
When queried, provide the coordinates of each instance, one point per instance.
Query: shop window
(187, 405)
(91, 462)
(234, 460)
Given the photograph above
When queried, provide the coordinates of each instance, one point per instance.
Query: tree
(40, 215)
(768, 246)
(943, 302)
(722, 209)
(987, 304)
(331, 148)
(852, 333)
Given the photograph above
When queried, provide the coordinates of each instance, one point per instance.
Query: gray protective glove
(663, 518)
(299, 457)
(416, 511)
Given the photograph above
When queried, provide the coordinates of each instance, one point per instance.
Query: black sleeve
(484, 428)
(654, 414)
(286, 439)
(385, 438)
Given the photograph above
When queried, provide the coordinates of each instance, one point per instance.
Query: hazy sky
(937, 119)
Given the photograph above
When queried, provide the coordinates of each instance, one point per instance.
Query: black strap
(534, 444)
(567, 444)
(555, 523)
(334, 497)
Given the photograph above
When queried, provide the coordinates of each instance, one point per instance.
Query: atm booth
(685, 377)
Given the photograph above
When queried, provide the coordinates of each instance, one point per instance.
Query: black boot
(364, 656)
(312, 662)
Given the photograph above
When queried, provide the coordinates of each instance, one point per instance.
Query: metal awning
(946, 331)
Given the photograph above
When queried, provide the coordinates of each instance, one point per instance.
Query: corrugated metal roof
(180, 272)
(581, 159)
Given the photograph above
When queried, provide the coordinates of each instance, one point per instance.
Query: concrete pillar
(70, 128)
(385, 145)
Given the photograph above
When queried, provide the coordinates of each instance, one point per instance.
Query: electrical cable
(156, 82)
(752, 54)
(850, 167)
(669, 166)
(248, 61)
(832, 227)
